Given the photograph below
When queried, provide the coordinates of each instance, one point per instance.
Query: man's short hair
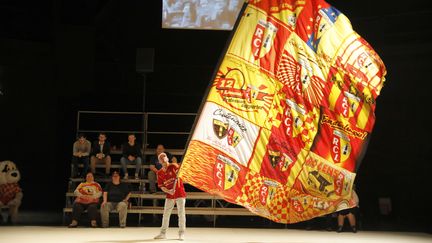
(81, 135)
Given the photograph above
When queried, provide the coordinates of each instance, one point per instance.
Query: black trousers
(78, 208)
(84, 160)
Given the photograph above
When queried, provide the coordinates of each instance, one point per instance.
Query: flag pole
(216, 70)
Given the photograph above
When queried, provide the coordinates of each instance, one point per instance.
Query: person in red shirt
(173, 187)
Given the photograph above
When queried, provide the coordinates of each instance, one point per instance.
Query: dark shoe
(354, 229)
(9, 221)
(339, 229)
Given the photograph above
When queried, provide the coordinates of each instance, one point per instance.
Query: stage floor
(46, 234)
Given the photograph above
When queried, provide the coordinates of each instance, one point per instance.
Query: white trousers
(169, 205)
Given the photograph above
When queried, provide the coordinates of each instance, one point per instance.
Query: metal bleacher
(170, 129)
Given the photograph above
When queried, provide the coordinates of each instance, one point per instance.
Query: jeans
(152, 181)
(121, 207)
(124, 161)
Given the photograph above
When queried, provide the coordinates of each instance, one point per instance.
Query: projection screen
(200, 14)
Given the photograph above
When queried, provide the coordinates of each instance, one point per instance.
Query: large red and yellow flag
(289, 112)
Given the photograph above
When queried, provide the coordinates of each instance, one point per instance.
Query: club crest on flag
(225, 173)
(234, 137)
(279, 160)
(294, 118)
(274, 157)
(353, 103)
(324, 21)
(297, 205)
(299, 75)
(285, 162)
(268, 191)
(223, 129)
(341, 147)
(263, 38)
(220, 128)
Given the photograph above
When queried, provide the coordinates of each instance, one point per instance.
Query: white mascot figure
(10, 191)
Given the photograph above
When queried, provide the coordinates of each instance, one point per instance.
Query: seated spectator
(131, 154)
(87, 198)
(81, 153)
(155, 165)
(115, 196)
(100, 153)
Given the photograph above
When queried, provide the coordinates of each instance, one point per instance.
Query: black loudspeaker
(144, 60)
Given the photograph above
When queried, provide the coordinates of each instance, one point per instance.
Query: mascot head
(9, 172)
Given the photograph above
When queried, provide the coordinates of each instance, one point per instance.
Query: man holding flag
(173, 187)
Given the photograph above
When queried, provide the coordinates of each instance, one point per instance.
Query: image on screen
(200, 14)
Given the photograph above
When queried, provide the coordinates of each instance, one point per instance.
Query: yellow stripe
(363, 117)
(333, 97)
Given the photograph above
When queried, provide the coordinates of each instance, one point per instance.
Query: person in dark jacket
(100, 153)
(131, 154)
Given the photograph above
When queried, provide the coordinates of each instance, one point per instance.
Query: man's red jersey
(167, 178)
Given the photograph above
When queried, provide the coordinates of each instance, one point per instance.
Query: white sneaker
(181, 235)
(126, 176)
(160, 236)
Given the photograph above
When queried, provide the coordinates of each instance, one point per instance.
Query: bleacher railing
(152, 128)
